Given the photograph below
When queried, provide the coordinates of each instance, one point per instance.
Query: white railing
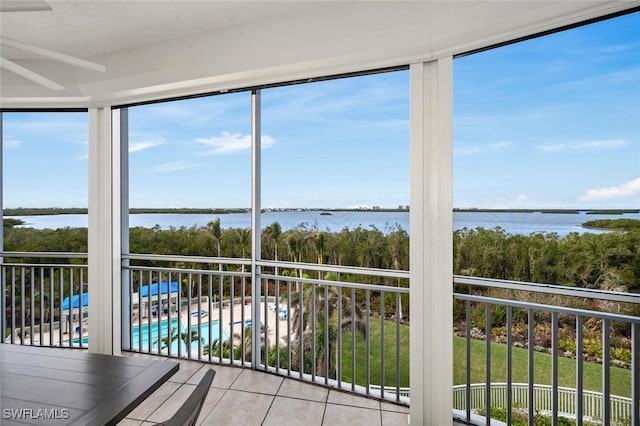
(392, 390)
(43, 299)
(216, 298)
(510, 312)
(543, 394)
(359, 344)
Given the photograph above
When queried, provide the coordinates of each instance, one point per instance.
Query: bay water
(512, 222)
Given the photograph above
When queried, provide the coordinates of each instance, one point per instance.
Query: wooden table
(67, 386)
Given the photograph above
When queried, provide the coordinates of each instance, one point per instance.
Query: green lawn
(620, 378)
(592, 376)
(389, 355)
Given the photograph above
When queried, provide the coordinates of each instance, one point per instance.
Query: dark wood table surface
(65, 386)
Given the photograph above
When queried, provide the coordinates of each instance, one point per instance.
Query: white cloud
(499, 146)
(626, 189)
(229, 143)
(142, 145)
(460, 151)
(552, 148)
(175, 166)
(463, 150)
(597, 145)
(11, 143)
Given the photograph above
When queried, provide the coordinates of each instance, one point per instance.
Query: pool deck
(231, 320)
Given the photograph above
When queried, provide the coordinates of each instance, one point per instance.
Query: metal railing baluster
(488, 362)
(554, 368)
(635, 373)
(368, 343)
(509, 363)
(398, 316)
(326, 335)
(32, 305)
(41, 304)
(468, 358)
(339, 337)
(382, 344)
(531, 344)
(353, 340)
(289, 331)
(579, 370)
(606, 371)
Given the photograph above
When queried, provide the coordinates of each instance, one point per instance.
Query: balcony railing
(565, 307)
(43, 299)
(336, 326)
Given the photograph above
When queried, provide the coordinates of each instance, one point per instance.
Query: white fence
(391, 390)
(621, 407)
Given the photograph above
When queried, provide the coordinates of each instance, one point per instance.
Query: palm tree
(272, 234)
(232, 349)
(168, 340)
(325, 301)
(215, 230)
(187, 338)
(244, 234)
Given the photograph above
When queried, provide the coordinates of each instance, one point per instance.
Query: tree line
(609, 261)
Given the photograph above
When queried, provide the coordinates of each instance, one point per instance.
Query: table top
(68, 386)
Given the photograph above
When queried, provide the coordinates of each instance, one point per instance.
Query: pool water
(158, 336)
(141, 336)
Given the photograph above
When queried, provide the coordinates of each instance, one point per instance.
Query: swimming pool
(141, 336)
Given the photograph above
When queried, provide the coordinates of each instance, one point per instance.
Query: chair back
(188, 413)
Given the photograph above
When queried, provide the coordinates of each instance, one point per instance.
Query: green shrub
(592, 347)
(621, 354)
(567, 344)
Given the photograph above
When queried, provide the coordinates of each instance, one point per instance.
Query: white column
(256, 250)
(120, 128)
(431, 244)
(104, 237)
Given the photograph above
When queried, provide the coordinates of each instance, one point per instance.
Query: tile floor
(246, 397)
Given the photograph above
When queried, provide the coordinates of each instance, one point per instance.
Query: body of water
(513, 223)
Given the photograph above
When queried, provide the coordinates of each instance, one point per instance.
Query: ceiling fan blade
(29, 75)
(50, 54)
(24, 6)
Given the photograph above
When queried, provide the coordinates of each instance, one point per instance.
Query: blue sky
(551, 122)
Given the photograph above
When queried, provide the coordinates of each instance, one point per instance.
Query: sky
(552, 122)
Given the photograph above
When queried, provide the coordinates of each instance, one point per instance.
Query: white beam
(431, 243)
(54, 56)
(29, 75)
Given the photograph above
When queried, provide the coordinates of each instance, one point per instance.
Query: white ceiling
(157, 48)
(90, 28)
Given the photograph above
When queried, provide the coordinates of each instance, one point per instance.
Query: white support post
(104, 237)
(255, 226)
(431, 244)
(119, 222)
(121, 153)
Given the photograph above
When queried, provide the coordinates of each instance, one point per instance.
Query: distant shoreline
(45, 211)
(551, 211)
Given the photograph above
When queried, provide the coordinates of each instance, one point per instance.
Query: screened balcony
(137, 54)
(184, 322)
